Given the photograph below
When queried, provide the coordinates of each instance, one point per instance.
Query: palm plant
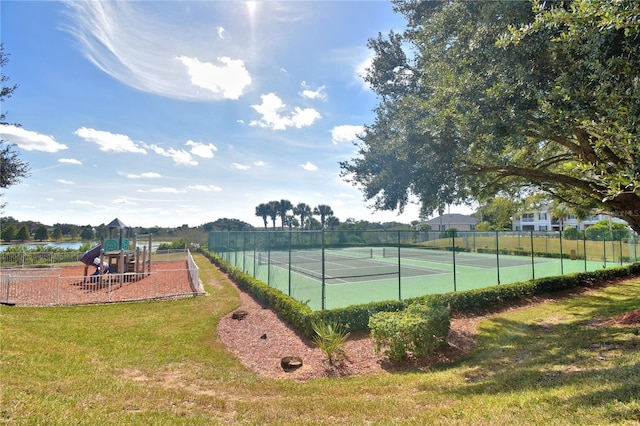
(274, 210)
(323, 211)
(331, 337)
(304, 211)
(262, 210)
(285, 206)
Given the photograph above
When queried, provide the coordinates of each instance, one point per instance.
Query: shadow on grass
(566, 354)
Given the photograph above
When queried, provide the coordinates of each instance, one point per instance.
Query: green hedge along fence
(356, 317)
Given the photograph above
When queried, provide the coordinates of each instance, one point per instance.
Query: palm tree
(323, 211)
(291, 221)
(304, 211)
(274, 210)
(262, 210)
(285, 206)
(332, 222)
(560, 212)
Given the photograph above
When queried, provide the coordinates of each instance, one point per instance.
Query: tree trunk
(627, 208)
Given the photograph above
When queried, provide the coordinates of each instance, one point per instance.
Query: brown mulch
(261, 339)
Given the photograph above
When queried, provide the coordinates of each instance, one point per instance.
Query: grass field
(159, 363)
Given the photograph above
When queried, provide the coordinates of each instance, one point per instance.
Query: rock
(290, 363)
(239, 315)
(264, 336)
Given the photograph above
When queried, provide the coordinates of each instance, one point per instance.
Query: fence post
(399, 269)
(324, 295)
(498, 256)
(533, 258)
(453, 253)
(604, 249)
(8, 288)
(561, 255)
(584, 249)
(289, 262)
(269, 258)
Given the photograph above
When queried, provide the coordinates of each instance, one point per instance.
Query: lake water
(69, 245)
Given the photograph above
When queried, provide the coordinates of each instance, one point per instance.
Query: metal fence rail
(337, 268)
(31, 259)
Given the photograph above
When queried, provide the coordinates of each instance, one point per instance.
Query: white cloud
(179, 156)
(239, 166)
(150, 175)
(259, 163)
(109, 142)
(201, 149)
(205, 188)
(229, 80)
(29, 140)
(360, 71)
(136, 44)
(345, 133)
(270, 110)
(70, 161)
(165, 189)
(309, 166)
(319, 93)
(65, 182)
(82, 202)
(123, 201)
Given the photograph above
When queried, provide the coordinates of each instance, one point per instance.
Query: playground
(122, 271)
(70, 286)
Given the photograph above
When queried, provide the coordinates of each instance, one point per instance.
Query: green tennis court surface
(330, 269)
(375, 274)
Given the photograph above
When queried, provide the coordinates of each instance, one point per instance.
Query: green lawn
(159, 363)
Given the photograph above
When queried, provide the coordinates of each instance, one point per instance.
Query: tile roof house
(458, 221)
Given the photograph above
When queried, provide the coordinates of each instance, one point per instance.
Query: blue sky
(169, 113)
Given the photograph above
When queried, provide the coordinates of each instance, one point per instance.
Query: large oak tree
(479, 98)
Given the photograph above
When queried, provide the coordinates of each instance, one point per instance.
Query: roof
(453, 219)
(116, 223)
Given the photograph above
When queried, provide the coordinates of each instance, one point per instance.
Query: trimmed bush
(420, 330)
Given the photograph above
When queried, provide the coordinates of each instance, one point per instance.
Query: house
(460, 222)
(542, 220)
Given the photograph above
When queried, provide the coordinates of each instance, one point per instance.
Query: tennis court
(325, 273)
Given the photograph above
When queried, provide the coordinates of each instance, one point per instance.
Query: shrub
(570, 233)
(420, 329)
(331, 337)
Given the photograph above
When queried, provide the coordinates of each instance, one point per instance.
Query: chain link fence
(329, 269)
(34, 280)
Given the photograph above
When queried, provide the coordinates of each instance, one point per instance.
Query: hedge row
(356, 317)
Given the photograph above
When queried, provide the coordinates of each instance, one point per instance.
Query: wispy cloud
(165, 189)
(70, 161)
(65, 182)
(179, 156)
(239, 166)
(150, 175)
(205, 188)
(308, 93)
(29, 140)
(109, 142)
(133, 43)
